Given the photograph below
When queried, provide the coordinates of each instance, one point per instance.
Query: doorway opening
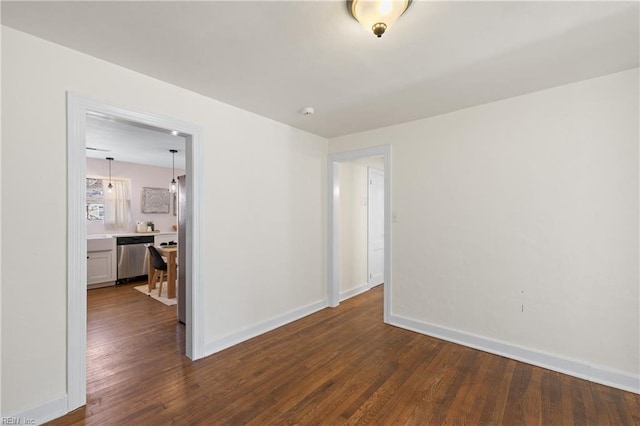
(366, 165)
(78, 109)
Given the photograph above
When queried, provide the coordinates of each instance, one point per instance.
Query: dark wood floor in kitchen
(338, 366)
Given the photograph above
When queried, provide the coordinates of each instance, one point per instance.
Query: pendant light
(110, 186)
(173, 180)
(377, 15)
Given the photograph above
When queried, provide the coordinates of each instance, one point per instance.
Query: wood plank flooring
(340, 366)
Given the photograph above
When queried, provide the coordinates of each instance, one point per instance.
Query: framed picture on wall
(155, 200)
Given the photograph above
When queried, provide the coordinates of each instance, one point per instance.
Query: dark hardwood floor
(338, 366)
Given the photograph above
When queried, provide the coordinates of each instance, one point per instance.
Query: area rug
(154, 293)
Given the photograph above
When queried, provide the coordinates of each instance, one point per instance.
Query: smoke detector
(307, 111)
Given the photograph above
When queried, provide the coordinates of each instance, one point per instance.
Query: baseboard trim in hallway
(579, 369)
(354, 292)
(39, 415)
(263, 327)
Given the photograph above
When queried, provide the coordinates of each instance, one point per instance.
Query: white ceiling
(275, 57)
(133, 143)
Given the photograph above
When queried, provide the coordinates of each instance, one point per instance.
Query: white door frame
(333, 215)
(77, 108)
(372, 212)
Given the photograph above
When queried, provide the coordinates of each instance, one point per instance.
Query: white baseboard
(41, 414)
(354, 291)
(258, 329)
(576, 368)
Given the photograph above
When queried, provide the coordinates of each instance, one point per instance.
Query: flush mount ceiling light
(377, 15)
(173, 180)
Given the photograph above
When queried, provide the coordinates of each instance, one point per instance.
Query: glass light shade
(370, 13)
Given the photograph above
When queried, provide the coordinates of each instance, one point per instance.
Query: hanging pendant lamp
(173, 175)
(110, 186)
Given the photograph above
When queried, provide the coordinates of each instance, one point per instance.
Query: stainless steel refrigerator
(182, 248)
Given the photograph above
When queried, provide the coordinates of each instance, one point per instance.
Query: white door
(375, 215)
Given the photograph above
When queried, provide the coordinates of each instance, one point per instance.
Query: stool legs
(160, 284)
(152, 280)
(161, 275)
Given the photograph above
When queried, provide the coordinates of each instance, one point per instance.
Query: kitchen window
(113, 208)
(95, 199)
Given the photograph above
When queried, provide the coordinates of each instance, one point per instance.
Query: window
(95, 199)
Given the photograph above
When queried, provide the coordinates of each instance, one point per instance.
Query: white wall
(517, 221)
(352, 250)
(264, 208)
(140, 176)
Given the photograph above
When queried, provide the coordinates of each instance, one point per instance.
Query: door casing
(77, 108)
(373, 241)
(333, 222)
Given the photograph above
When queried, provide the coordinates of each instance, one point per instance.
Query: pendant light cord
(173, 170)
(110, 159)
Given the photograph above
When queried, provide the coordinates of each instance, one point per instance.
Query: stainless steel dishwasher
(133, 260)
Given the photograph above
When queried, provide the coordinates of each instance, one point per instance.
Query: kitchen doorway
(78, 107)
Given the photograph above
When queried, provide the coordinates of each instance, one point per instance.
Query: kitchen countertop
(129, 234)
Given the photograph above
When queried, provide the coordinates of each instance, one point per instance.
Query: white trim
(369, 249)
(614, 378)
(333, 260)
(77, 107)
(572, 367)
(194, 335)
(263, 327)
(333, 194)
(76, 255)
(344, 295)
(42, 413)
(121, 179)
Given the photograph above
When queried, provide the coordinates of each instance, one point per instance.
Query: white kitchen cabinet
(101, 262)
(99, 267)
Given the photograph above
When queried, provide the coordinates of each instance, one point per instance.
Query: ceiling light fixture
(110, 186)
(173, 180)
(377, 15)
